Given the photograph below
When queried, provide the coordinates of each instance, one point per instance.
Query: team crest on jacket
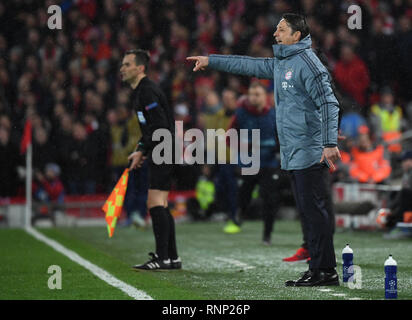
(288, 75)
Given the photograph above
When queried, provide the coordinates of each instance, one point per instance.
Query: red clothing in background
(53, 188)
(353, 78)
(369, 166)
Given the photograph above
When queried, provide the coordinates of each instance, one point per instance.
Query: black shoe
(154, 264)
(319, 278)
(303, 276)
(176, 264)
(266, 240)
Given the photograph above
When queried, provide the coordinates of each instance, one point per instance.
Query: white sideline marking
(237, 263)
(97, 271)
(339, 294)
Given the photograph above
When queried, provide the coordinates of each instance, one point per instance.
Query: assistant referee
(153, 112)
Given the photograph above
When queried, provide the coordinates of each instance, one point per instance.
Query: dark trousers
(226, 188)
(401, 203)
(311, 190)
(331, 212)
(136, 196)
(269, 181)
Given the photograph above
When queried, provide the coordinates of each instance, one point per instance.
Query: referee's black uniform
(153, 112)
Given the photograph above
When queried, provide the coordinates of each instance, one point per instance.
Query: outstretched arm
(254, 67)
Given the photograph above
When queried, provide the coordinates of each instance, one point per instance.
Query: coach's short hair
(297, 22)
(142, 57)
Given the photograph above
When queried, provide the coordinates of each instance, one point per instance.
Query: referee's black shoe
(317, 278)
(154, 264)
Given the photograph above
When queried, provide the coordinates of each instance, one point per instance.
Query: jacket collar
(282, 51)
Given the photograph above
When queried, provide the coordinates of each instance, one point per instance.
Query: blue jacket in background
(306, 108)
(266, 122)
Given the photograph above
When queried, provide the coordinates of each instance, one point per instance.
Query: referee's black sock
(161, 230)
(172, 250)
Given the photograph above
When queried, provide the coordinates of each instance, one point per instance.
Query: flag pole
(29, 177)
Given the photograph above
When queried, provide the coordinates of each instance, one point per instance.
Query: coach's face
(284, 35)
(129, 70)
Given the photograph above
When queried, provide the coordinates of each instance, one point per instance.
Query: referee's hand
(137, 160)
(331, 155)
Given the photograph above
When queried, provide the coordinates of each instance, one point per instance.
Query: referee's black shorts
(160, 176)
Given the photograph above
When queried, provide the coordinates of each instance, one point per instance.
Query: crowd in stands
(67, 81)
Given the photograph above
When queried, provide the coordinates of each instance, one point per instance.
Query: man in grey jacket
(307, 123)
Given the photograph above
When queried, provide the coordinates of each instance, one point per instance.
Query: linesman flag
(114, 204)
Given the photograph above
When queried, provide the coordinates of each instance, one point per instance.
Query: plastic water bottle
(391, 282)
(347, 262)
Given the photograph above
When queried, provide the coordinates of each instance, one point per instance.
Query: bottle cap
(390, 261)
(347, 249)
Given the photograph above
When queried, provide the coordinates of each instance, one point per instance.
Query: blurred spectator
(61, 139)
(124, 132)
(49, 52)
(43, 151)
(226, 177)
(203, 205)
(352, 74)
(6, 123)
(9, 159)
(202, 87)
(96, 48)
(210, 110)
(80, 166)
(99, 133)
(48, 193)
(255, 112)
(350, 124)
(48, 187)
(403, 46)
(402, 202)
(186, 175)
(382, 60)
(368, 163)
(387, 121)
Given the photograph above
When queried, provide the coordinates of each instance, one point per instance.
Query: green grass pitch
(215, 265)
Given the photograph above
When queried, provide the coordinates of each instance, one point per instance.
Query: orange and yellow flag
(114, 204)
